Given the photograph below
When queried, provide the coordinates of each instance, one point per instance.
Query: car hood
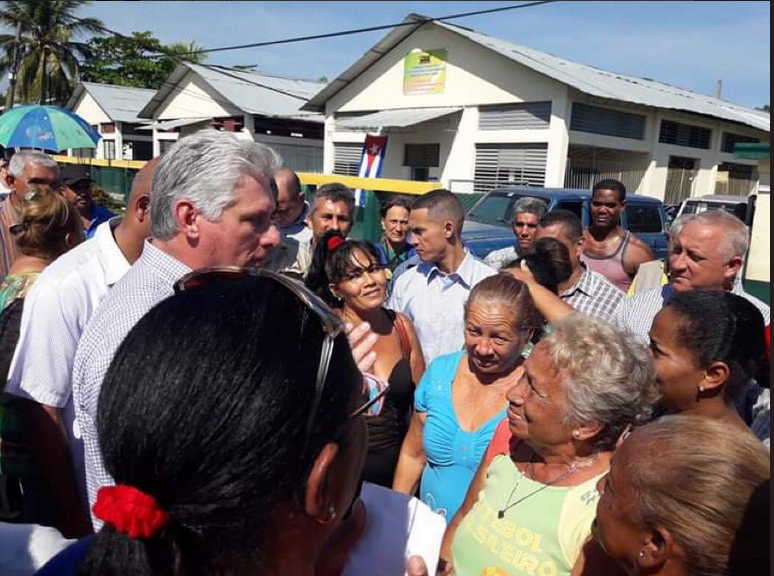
(476, 230)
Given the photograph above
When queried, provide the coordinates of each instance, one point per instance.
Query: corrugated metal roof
(586, 79)
(121, 103)
(169, 124)
(395, 118)
(250, 92)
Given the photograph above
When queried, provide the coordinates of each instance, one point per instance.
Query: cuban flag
(370, 162)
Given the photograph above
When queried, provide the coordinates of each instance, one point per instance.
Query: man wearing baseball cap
(76, 187)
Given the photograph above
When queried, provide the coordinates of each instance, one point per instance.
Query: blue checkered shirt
(149, 281)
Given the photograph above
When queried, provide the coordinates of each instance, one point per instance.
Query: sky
(687, 44)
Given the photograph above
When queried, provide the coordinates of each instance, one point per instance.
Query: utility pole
(719, 89)
(14, 69)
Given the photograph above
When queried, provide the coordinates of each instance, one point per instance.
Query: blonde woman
(48, 227)
(686, 495)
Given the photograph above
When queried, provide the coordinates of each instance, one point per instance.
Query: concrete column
(328, 153)
(558, 141)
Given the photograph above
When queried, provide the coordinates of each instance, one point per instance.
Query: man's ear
(142, 208)
(732, 267)
(579, 246)
(187, 218)
(449, 229)
(10, 180)
(659, 546)
(319, 500)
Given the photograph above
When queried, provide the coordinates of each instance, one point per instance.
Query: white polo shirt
(55, 313)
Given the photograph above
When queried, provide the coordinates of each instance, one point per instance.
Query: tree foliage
(47, 54)
(133, 61)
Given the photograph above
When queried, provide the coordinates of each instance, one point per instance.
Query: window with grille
(739, 171)
(730, 140)
(527, 115)
(510, 165)
(346, 158)
(684, 135)
(421, 155)
(109, 149)
(596, 120)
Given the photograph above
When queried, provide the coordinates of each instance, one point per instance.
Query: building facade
(476, 112)
(112, 111)
(257, 106)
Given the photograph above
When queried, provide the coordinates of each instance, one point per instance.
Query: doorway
(681, 174)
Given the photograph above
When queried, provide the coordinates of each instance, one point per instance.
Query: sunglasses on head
(373, 391)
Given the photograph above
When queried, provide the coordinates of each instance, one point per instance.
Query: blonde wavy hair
(48, 224)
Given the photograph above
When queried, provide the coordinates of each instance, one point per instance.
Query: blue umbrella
(46, 128)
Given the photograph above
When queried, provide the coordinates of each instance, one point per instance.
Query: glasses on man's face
(373, 390)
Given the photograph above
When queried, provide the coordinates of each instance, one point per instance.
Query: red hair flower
(130, 511)
(334, 242)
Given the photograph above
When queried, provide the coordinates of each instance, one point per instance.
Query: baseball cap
(73, 173)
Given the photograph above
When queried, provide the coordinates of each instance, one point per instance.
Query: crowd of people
(202, 384)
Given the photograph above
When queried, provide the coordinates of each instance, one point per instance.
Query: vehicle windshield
(497, 209)
(699, 207)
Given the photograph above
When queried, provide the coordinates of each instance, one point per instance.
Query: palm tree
(47, 54)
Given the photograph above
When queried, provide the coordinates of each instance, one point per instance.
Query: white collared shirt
(56, 310)
(435, 302)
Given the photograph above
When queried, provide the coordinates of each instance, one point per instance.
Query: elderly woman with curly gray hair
(530, 506)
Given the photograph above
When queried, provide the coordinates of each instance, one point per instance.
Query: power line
(363, 30)
(180, 58)
(226, 71)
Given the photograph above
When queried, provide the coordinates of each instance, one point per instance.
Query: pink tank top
(611, 267)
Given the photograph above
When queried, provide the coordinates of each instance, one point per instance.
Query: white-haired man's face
(698, 259)
(32, 174)
(245, 232)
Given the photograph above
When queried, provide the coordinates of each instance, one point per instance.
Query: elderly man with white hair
(706, 253)
(25, 168)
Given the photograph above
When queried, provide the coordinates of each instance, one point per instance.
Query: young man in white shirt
(433, 293)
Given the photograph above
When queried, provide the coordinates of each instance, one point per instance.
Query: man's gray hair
(21, 159)
(607, 374)
(205, 168)
(534, 206)
(736, 236)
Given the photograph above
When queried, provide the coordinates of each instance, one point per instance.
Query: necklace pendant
(500, 514)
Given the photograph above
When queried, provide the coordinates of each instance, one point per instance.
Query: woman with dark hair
(549, 263)
(348, 276)
(230, 421)
(706, 346)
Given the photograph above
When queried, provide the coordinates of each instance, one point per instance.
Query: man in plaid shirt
(585, 290)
